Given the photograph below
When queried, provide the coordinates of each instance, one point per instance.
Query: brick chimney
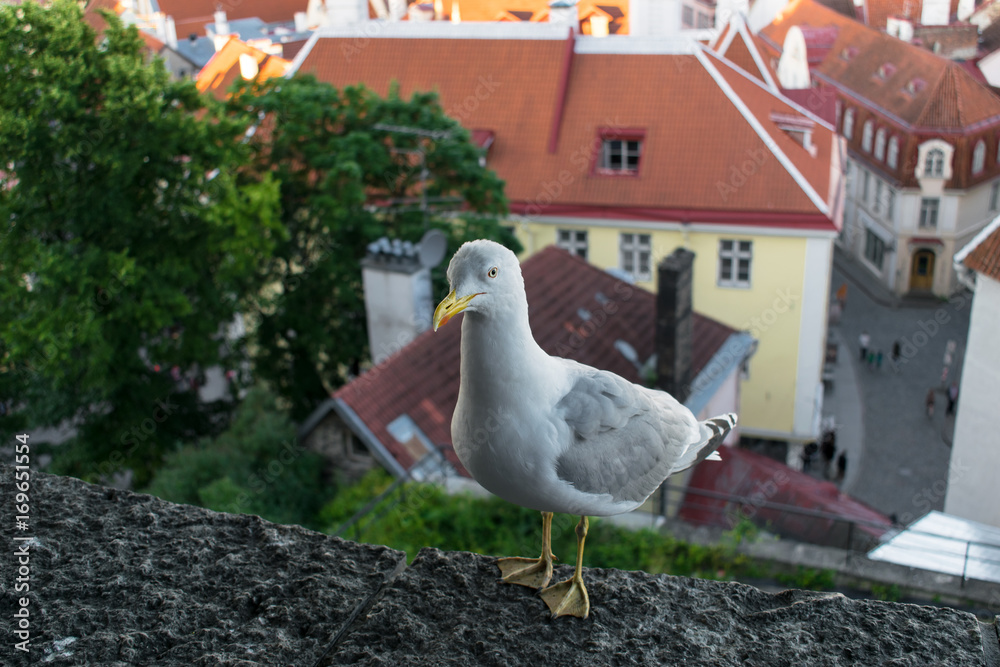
(674, 323)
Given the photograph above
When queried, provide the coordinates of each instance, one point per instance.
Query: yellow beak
(450, 307)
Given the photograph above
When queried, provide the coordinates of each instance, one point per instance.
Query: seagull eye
(493, 272)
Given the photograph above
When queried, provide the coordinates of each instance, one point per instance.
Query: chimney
(301, 22)
(398, 299)
(221, 24)
(248, 66)
(674, 324)
(171, 30)
(564, 12)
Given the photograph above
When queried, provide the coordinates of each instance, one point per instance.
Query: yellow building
(622, 149)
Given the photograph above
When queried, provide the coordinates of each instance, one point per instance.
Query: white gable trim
(762, 133)
(755, 54)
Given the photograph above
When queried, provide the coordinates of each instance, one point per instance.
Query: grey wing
(626, 438)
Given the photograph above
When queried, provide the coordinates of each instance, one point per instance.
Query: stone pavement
(900, 465)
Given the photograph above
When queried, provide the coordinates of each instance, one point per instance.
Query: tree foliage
(130, 234)
(345, 183)
(255, 467)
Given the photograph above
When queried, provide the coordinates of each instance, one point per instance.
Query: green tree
(345, 183)
(255, 467)
(131, 232)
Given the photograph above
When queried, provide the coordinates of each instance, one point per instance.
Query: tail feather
(714, 431)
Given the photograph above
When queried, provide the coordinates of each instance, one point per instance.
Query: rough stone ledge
(122, 578)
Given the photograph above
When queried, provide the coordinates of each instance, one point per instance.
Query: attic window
(620, 153)
(915, 86)
(849, 52)
(798, 128)
(885, 71)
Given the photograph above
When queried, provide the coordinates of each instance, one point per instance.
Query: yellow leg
(531, 572)
(569, 598)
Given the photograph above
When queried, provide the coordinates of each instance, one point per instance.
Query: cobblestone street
(900, 465)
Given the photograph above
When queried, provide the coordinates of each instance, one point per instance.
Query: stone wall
(119, 578)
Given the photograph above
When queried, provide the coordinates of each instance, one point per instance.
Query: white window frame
(979, 157)
(848, 128)
(573, 241)
(624, 151)
(892, 157)
(732, 253)
(880, 144)
(874, 249)
(866, 136)
(934, 163)
(929, 213)
(635, 255)
(865, 185)
(879, 189)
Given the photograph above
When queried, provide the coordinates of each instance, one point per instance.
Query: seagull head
(485, 278)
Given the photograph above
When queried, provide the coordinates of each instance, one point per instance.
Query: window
(848, 128)
(879, 193)
(865, 185)
(874, 249)
(620, 156)
(636, 251)
(979, 156)
(703, 21)
(929, 211)
(838, 111)
(573, 240)
(880, 144)
(892, 159)
(934, 163)
(687, 14)
(995, 196)
(866, 136)
(734, 263)
(890, 206)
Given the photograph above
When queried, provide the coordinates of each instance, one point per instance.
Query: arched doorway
(922, 270)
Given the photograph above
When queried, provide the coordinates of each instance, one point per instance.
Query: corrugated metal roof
(945, 543)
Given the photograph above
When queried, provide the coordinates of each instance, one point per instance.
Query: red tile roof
(223, 69)
(950, 99)
(191, 16)
(538, 10)
(422, 379)
(691, 143)
(985, 257)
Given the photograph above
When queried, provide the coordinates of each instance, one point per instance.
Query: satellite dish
(433, 245)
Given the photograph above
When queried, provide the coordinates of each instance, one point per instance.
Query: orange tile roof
(985, 256)
(877, 12)
(92, 13)
(951, 99)
(224, 68)
(190, 16)
(422, 379)
(692, 142)
(538, 10)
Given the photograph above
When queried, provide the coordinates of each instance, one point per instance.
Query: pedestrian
(826, 450)
(895, 351)
(841, 466)
(871, 359)
(929, 401)
(878, 360)
(952, 398)
(864, 340)
(842, 296)
(807, 455)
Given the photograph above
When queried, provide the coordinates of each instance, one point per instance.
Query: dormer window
(880, 144)
(934, 164)
(866, 137)
(798, 128)
(914, 86)
(849, 52)
(885, 71)
(979, 157)
(621, 153)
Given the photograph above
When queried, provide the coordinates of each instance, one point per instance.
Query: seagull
(552, 434)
